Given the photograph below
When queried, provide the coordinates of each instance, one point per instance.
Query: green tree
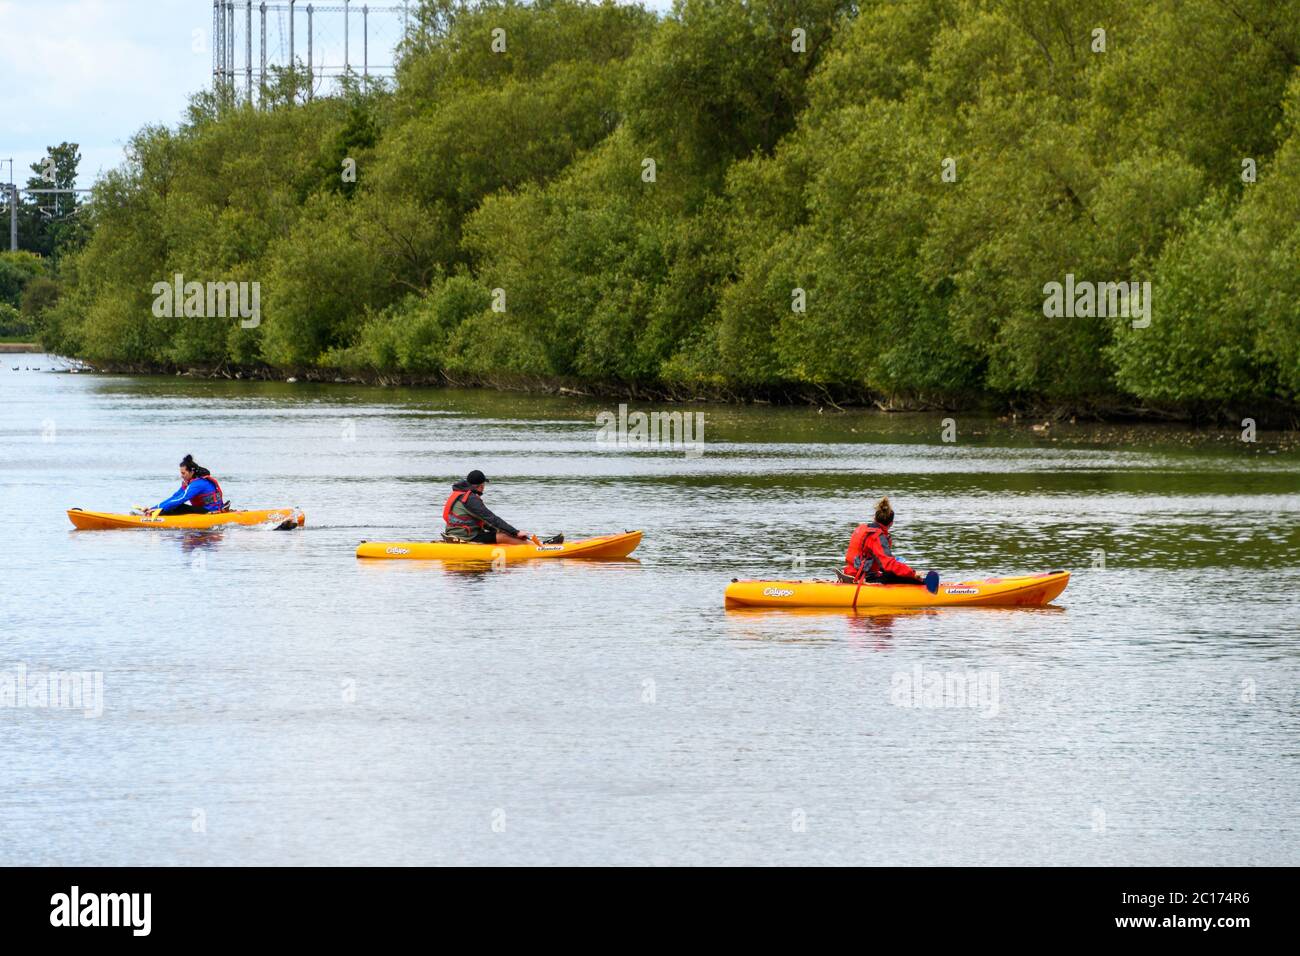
(50, 224)
(17, 269)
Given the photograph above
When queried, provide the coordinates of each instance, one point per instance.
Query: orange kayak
(1034, 590)
(606, 547)
(102, 520)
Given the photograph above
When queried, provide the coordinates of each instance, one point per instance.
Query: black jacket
(474, 505)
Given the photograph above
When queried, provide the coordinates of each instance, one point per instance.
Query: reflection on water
(862, 627)
(323, 709)
(195, 540)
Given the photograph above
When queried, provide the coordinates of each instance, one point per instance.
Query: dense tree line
(746, 196)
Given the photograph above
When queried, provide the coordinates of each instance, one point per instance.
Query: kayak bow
(606, 546)
(103, 520)
(1034, 590)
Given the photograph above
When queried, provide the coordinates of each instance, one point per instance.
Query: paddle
(932, 581)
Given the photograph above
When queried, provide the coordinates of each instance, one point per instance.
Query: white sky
(95, 71)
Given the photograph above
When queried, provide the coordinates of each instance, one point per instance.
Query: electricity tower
(321, 41)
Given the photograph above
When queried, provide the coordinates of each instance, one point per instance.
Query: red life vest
(209, 500)
(862, 560)
(451, 519)
(855, 558)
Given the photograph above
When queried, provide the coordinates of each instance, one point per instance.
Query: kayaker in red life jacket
(469, 520)
(870, 557)
(199, 493)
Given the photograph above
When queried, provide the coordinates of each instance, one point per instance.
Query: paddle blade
(932, 581)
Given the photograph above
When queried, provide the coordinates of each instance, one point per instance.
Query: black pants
(482, 536)
(889, 577)
(185, 510)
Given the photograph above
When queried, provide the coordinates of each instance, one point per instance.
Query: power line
(11, 192)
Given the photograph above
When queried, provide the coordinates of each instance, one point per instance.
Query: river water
(268, 698)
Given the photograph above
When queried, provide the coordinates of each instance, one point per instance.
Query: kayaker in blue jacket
(198, 494)
(471, 521)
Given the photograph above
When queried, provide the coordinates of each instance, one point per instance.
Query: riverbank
(764, 251)
(1032, 411)
(18, 348)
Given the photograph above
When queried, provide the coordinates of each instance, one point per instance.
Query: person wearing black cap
(469, 520)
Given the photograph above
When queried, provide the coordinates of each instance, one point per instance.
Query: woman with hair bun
(870, 557)
(199, 493)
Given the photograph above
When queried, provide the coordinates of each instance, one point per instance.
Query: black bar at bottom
(208, 905)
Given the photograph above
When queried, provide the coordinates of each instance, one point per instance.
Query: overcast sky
(94, 71)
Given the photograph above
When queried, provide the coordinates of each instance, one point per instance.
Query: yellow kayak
(101, 520)
(1034, 590)
(606, 546)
